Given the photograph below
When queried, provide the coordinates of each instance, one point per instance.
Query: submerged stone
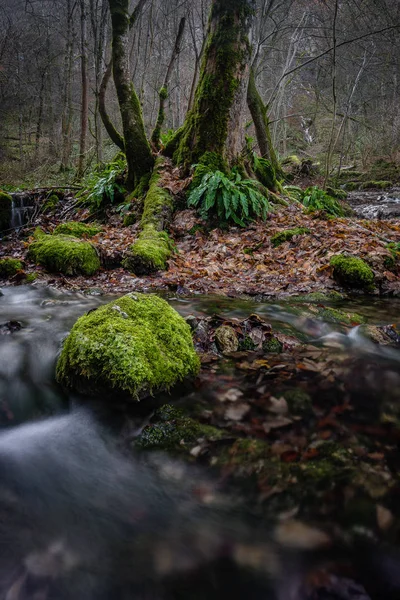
(64, 254)
(137, 345)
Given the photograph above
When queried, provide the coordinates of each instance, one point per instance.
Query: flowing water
(22, 209)
(376, 204)
(80, 520)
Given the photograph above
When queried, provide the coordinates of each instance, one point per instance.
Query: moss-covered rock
(380, 185)
(272, 345)
(64, 254)
(284, 236)
(226, 339)
(352, 271)
(50, 204)
(137, 344)
(5, 210)
(319, 297)
(77, 229)
(333, 315)
(9, 267)
(337, 193)
(350, 186)
(173, 431)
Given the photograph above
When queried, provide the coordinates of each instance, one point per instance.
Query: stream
(96, 523)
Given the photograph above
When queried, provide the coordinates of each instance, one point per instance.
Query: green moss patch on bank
(64, 254)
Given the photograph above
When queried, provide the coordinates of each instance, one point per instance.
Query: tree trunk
(163, 93)
(85, 93)
(213, 125)
(261, 123)
(137, 148)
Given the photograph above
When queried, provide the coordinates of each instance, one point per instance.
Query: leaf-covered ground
(234, 261)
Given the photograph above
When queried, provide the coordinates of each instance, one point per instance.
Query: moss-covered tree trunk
(213, 125)
(137, 149)
(261, 123)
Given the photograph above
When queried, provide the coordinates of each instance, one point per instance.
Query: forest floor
(232, 261)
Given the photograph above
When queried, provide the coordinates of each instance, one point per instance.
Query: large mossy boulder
(136, 345)
(352, 271)
(64, 254)
(5, 210)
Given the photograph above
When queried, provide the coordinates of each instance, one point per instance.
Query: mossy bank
(64, 254)
(136, 345)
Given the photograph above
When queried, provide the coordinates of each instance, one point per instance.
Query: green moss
(299, 402)
(317, 297)
(50, 203)
(352, 185)
(153, 247)
(31, 277)
(381, 185)
(149, 253)
(272, 345)
(226, 55)
(265, 173)
(392, 261)
(246, 344)
(158, 201)
(350, 174)
(130, 219)
(76, 229)
(291, 161)
(284, 236)
(352, 271)
(141, 189)
(9, 267)
(209, 162)
(339, 194)
(136, 344)
(332, 315)
(5, 210)
(173, 431)
(64, 254)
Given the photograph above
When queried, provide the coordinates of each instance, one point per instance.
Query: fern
(316, 199)
(229, 198)
(103, 186)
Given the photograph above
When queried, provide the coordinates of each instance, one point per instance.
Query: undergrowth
(105, 186)
(315, 199)
(229, 198)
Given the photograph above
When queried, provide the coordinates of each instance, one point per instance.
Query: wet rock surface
(376, 204)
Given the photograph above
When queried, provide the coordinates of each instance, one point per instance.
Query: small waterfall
(21, 210)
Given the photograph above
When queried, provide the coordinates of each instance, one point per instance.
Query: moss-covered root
(137, 345)
(64, 254)
(149, 253)
(153, 247)
(352, 271)
(9, 267)
(5, 210)
(77, 229)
